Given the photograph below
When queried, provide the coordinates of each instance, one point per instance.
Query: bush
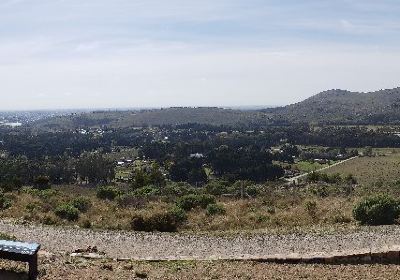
(46, 194)
(188, 202)
(83, 204)
(178, 189)
(239, 187)
(67, 212)
(42, 182)
(216, 188)
(252, 191)
(168, 221)
(179, 214)
(5, 202)
(147, 191)
(311, 208)
(86, 223)
(378, 210)
(108, 192)
(49, 220)
(215, 209)
(131, 200)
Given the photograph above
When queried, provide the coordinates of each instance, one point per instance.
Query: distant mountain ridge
(344, 107)
(329, 107)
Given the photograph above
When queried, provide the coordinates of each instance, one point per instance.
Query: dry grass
(281, 209)
(372, 170)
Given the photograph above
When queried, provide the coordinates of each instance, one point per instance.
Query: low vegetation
(377, 210)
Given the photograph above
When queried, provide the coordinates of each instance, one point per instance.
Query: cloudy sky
(135, 53)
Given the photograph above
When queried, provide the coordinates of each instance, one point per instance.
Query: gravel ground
(161, 246)
(61, 267)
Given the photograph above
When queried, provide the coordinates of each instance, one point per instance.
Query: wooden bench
(22, 252)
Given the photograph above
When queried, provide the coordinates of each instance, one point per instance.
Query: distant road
(295, 179)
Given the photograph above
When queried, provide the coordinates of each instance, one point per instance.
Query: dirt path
(297, 178)
(160, 246)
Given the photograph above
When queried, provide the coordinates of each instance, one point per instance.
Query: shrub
(14, 183)
(377, 210)
(350, 179)
(131, 200)
(46, 194)
(340, 218)
(188, 202)
(108, 192)
(30, 191)
(216, 188)
(239, 187)
(41, 182)
(5, 202)
(311, 208)
(179, 214)
(252, 191)
(167, 221)
(83, 204)
(179, 189)
(215, 209)
(320, 191)
(322, 177)
(147, 191)
(67, 212)
(49, 220)
(43, 194)
(86, 223)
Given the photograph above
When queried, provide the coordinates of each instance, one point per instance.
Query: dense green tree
(95, 168)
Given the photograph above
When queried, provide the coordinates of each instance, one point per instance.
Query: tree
(94, 168)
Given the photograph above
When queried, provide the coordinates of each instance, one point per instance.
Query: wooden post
(33, 267)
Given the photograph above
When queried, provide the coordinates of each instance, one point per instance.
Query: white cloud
(128, 53)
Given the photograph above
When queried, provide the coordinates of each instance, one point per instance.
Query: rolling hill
(155, 117)
(328, 107)
(344, 107)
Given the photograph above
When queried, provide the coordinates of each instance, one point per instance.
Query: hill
(154, 117)
(329, 107)
(344, 107)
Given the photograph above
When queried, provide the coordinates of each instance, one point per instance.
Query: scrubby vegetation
(166, 221)
(68, 212)
(377, 210)
(197, 176)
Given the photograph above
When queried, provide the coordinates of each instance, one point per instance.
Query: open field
(305, 166)
(383, 168)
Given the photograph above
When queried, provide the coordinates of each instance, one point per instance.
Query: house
(196, 155)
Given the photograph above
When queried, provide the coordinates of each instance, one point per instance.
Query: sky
(58, 54)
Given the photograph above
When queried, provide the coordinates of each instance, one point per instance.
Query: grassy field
(306, 166)
(381, 169)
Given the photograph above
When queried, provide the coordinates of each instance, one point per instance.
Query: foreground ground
(187, 246)
(54, 267)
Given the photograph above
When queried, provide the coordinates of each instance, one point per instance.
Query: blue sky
(131, 53)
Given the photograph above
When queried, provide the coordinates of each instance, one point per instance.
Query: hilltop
(329, 107)
(344, 107)
(155, 117)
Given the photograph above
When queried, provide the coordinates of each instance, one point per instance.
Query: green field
(306, 166)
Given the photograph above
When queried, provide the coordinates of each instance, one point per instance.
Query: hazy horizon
(57, 54)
